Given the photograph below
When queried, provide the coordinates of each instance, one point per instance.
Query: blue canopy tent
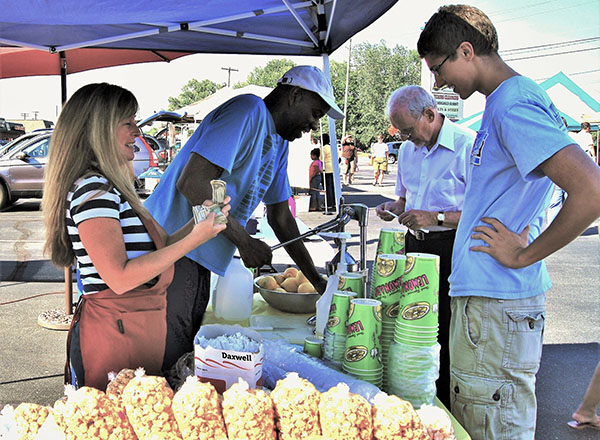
(271, 27)
(268, 27)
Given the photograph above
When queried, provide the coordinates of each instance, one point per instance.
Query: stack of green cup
(386, 286)
(334, 343)
(353, 282)
(391, 241)
(362, 357)
(413, 362)
(313, 346)
(417, 322)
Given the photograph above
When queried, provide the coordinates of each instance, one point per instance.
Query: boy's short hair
(453, 24)
(585, 125)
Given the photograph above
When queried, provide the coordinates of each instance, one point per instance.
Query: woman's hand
(207, 228)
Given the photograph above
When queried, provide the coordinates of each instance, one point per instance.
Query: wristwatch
(440, 218)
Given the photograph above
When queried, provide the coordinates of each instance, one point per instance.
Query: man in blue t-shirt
(245, 143)
(499, 280)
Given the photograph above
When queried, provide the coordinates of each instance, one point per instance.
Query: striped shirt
(90, 198)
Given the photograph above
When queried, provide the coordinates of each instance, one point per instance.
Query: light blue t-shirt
(240, 137)
(520, 129)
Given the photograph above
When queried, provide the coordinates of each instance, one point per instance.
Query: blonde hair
(84, 142)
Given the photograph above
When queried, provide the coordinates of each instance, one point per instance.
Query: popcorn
(248, 413)
(197, 410)
(147, 400)
(437, 423)
(395, 418)
(89, 414)
(296, 403)
(29, 417)
(345, 415)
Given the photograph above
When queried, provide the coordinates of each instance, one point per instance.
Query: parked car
(22, 169)
(393, 148)
(158, 142)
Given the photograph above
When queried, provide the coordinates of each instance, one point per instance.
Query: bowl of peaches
(289, 291)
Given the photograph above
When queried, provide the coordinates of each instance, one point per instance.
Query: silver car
(22, 169)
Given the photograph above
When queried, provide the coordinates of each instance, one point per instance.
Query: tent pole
(63, 77)
(333, 142)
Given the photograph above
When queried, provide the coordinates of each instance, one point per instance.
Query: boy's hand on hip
(504, 245)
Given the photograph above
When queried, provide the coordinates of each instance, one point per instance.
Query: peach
(290, 285)
(290, 272)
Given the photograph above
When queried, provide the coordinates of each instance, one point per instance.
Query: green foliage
(267, 76)
(192, 92)
(375, 72)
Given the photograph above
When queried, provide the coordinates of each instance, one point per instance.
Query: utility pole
(24, 115)
(346, 92)
(229, 70)
(35, 113)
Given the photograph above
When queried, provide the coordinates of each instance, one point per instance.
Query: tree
(192, 92)
(267, 76)
(377, 71)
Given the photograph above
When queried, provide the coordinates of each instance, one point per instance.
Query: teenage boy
(499, 280)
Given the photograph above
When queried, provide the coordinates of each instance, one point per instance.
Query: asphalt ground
(32, 357)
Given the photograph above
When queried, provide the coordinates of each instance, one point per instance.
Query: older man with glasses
(430, 185)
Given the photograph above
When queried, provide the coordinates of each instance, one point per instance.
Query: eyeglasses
(406, 134)
(436, 70)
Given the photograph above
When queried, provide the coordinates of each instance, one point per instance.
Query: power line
(550, 45)
(553, 54)
(546, 11)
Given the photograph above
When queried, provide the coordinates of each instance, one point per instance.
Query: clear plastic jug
(234, 292)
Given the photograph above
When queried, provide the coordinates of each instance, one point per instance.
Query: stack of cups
(386, 286)
(362, 358)
(413, 364)
(391, 241)
(353, 282)
(334, 343)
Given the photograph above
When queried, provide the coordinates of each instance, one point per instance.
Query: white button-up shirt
(435, 180)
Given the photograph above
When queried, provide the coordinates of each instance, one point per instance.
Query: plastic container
(234, 293)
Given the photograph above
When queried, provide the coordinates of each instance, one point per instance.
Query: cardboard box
(223, 368)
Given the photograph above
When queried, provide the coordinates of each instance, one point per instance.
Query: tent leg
(333, 142)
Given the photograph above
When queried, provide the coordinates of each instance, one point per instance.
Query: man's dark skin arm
(194, 184)
(284, 225)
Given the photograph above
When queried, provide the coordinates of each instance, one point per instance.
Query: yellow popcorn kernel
(29, 417)
(345, 415)
(197, 409)
(147, 402)
(248, 413)
(395, 418)
(89, 414)
(296, 403)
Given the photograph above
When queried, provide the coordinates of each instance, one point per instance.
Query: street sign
(450, 104)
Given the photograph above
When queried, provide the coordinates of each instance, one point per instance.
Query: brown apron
(122, 331)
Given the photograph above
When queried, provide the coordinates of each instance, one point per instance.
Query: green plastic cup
(419, 300)
(363, 340)
(353, 282)
(386, 283)
(313, 345)
(415, 342)
(338, 312)
(391, 241)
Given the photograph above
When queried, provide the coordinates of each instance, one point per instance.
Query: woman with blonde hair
(94, 217)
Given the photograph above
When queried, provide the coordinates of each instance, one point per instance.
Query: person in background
(315, 181)
(585, 139)
(586, 416)
(379, 155)
(93, 216)
(243, 142)
(348, 158)
(498, 279)
(330, 202)
(430, 185)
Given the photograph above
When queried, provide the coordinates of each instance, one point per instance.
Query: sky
(558, 26)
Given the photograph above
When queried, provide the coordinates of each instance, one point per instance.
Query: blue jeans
(495, 353)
